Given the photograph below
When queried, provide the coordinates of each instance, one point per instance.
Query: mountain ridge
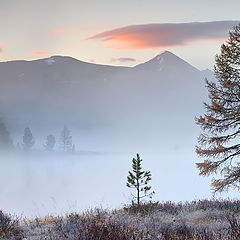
(161, 55)
(119, 102)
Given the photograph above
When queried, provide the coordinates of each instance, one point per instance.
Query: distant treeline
(65, 141)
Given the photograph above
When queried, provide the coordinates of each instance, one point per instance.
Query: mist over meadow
(112, 114)
(38, 184)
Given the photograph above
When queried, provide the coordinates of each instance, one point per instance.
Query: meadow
(202, 219)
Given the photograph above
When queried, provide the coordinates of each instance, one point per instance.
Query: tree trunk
(138, 195)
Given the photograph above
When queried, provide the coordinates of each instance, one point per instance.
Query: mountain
(158, 97)
(166, 62)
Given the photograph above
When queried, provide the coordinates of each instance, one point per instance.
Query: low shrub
(142, 209)
(196, 220)
(9, 227)
(91, 227)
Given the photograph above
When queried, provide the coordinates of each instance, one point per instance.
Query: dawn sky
(111, 32)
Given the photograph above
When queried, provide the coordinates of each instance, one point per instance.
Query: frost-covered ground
(203, 219)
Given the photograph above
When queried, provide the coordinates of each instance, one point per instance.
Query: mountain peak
(164, 53)
(166, 61)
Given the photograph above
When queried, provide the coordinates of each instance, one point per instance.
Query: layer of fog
(112, 114)
(38, 184)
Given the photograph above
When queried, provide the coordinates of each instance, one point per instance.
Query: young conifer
(139, 180)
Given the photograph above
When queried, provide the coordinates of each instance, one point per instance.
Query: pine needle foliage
(139, 180)
(219, 143)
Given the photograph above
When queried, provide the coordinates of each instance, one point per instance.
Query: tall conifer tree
(50, 143)
(28, 140)
(219, 143)
(66, 140)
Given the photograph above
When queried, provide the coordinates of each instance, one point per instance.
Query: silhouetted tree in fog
(28, 141)
(50, 143)
(18, 146)
(65, 140)
(73, 148)
(5, 139)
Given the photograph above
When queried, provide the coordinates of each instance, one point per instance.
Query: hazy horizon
(122, 83)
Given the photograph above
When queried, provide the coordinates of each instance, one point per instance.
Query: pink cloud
(1, 47)
(36, 53)
(1, 11)
(71, 30)
(74, 45)
(150, 36)
(57, 32)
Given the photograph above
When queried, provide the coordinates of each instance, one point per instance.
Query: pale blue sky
(32, 29)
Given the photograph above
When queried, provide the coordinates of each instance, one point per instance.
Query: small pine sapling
(139, 180)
